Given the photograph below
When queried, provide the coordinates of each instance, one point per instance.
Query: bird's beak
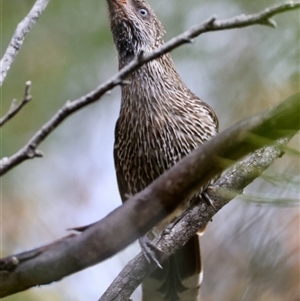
(118, 2)
(119, 5)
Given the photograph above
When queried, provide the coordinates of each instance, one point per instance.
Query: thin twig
(30, 151)
(19, 35)
(14, 107)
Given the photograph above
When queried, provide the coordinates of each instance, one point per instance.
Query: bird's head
(135, 27)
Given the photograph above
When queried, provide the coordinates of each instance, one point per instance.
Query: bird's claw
(149, 250)
(209, 200)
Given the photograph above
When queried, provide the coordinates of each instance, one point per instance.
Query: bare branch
(141, 212)
(14, 107)
(174, 237)
(29, 151)
(18, 38)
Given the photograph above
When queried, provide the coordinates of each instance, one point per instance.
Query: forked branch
(16, 107)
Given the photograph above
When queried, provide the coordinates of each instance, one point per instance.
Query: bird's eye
(143, 12)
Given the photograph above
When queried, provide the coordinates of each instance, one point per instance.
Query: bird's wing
(120, 178)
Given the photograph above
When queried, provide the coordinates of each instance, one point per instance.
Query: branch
(14, 107)
(140, 213)
(174, 237)
(18, 38)
(30, 151)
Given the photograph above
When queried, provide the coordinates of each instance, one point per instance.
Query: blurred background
(251, 249)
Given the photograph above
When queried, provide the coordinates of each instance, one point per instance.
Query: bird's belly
(145, 171)
(141, 161)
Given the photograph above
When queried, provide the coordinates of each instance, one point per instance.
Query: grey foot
(149, 250)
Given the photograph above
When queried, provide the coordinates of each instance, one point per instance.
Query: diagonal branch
(19, 36)
(30, 151)
(140, 213)
(225, 189)
(14, 107)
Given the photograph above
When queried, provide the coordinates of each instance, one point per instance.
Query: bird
(160, 121)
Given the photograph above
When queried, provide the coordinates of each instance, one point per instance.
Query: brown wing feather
(120, 178)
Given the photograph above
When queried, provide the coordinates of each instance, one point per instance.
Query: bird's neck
(152, 88)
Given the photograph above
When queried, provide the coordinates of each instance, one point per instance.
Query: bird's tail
(180, 278)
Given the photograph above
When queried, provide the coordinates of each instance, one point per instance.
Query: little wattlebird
(160, 122)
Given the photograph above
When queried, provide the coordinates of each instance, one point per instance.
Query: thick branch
(140, 213)
(19, 36)
(225, 189)
(14, 107)
(29, 151)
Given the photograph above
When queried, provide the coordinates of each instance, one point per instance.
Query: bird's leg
(149, 250)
